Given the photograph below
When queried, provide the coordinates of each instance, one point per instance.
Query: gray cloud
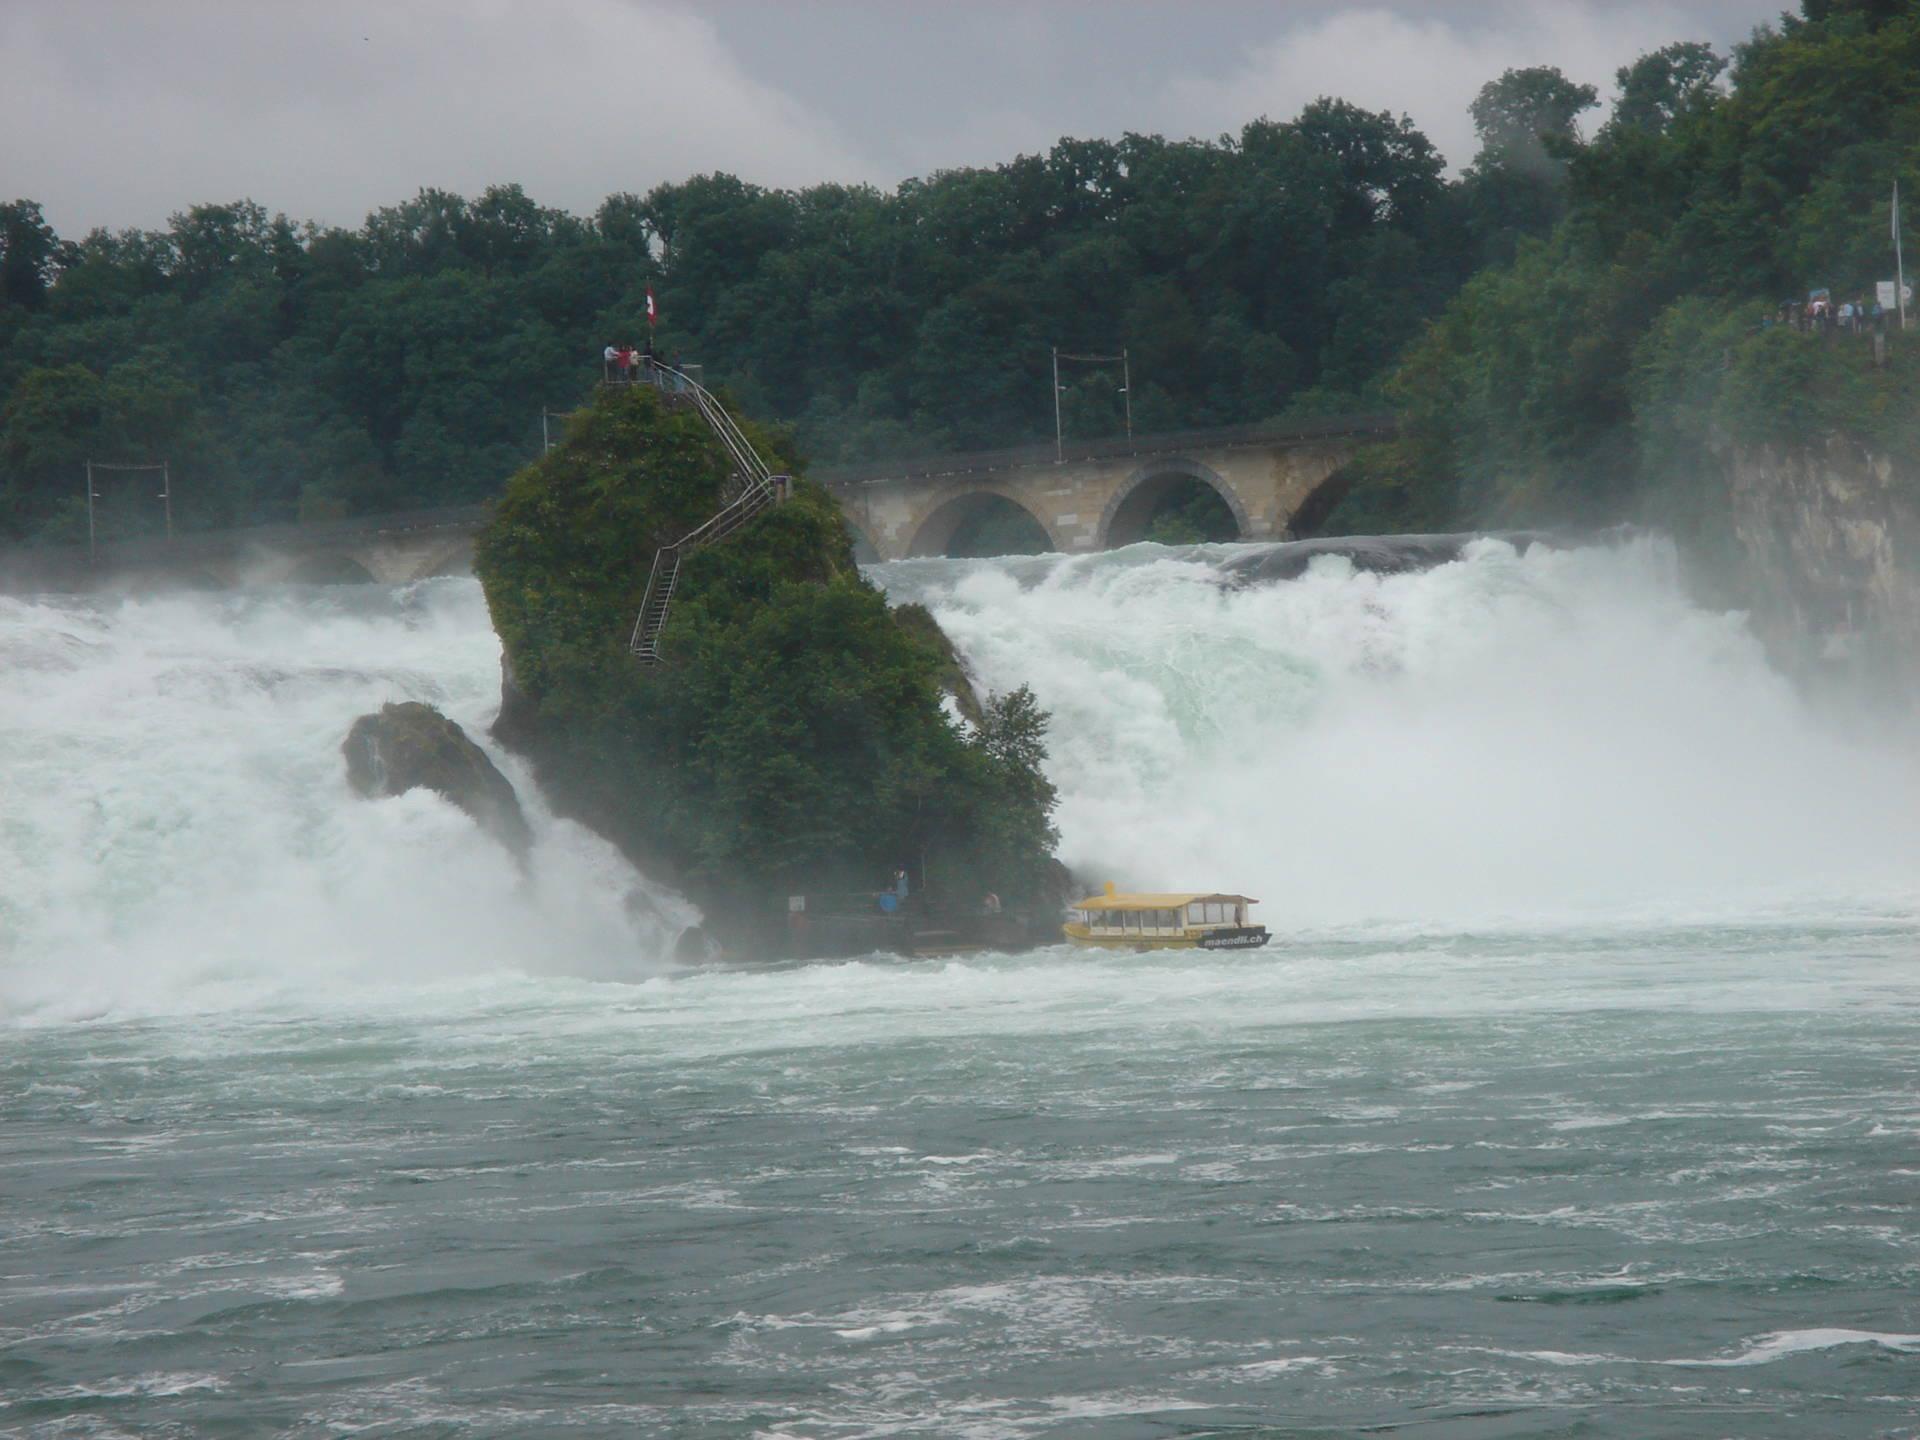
(118, 112)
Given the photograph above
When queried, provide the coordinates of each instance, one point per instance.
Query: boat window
(1132, 919)
(1101, 920)
(1196, 913)
(1169, 919)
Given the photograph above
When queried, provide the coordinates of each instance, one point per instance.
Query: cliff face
(1827, 544)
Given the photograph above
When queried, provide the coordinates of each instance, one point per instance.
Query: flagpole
(1058, 453)
(1899, 261)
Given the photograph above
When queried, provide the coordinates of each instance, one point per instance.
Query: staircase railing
(750, 489)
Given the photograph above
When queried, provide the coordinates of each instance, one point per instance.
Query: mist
(1509, 738)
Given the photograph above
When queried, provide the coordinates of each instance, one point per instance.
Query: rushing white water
(176, 827)
(1508, 739)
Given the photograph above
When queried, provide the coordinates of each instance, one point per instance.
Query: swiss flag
(653, 308)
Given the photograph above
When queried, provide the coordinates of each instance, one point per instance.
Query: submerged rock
(409, 745)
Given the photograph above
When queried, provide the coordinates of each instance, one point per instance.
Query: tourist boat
(1195, 921)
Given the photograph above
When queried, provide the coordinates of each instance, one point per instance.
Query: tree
(1525, 115)
(1516, 187)
(1384, 162)
(1659, 87)
(29, 254)
(1874, 12)
(50, 421)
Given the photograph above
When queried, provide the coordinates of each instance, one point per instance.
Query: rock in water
(410, 745)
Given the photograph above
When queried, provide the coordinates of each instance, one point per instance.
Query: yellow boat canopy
(1112, 901)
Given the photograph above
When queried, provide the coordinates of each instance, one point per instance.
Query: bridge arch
(950, 521)
(1133, 503)
(1316, 507)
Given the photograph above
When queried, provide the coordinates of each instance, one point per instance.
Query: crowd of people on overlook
(623, 365)
(1818, 314)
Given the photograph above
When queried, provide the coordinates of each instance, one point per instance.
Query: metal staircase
(749, 490)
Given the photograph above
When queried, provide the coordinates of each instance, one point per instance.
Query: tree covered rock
(795, 739)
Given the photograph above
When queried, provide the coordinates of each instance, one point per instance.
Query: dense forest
(1537, 319)
(287, 370)
(1605, 371)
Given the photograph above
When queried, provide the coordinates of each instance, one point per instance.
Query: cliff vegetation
(1612, 367)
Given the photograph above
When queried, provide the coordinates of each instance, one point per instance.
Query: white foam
(176, 831)
(1766, 1349)
(1281, 1366)
(883, 1327)
(1548, 734)
(1393, 763)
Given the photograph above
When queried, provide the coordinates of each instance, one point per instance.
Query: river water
(1575, 1097)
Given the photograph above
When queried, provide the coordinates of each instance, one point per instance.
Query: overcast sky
(119, 112)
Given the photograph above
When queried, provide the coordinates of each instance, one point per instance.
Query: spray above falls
(1513, 736)
(1521, 732)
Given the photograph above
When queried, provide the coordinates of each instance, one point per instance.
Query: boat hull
(1239, 937)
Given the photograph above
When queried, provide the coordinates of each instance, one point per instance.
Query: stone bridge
(385, 549)
(1103, 494)
(1097, 496)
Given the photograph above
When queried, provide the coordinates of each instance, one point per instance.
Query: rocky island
(796, 739)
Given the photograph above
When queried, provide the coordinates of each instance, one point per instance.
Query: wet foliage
(796, 739)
